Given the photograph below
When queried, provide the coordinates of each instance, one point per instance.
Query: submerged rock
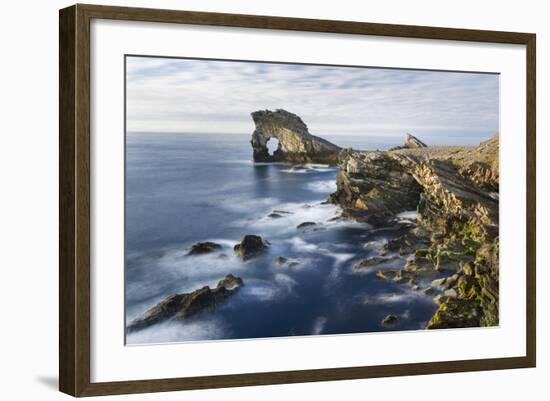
(296, 144)
(306, 224)
(366, 264)
(274, 215)
(250, 247)
(201, 248)
(390, 320)
(280, 260)
(183, 306)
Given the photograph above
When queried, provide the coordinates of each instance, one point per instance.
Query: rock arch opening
(272, 146)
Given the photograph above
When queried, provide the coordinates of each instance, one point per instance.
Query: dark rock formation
(374, 187)
(455, 193)
(280, 260)
(183, 306)
(250, 246)
(296, 144)
(390, 320)
(368, 263)
(203, 247)
(306, 224)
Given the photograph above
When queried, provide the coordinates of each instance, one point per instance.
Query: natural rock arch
(296, 144)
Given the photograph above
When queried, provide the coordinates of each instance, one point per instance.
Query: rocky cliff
(296, 144)
(455, 193)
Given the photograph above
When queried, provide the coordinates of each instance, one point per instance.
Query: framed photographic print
(250, 200)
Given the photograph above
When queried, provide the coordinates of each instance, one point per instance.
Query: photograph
(269, 199)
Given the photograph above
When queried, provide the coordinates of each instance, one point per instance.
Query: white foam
(319, 325)
(309, 168)
(325, 186)
(175, 331)
(408, 215)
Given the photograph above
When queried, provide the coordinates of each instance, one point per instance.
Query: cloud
(189, 95)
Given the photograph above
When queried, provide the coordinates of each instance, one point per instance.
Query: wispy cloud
(180, 95)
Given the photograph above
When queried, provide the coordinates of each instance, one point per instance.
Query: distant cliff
(296, 144)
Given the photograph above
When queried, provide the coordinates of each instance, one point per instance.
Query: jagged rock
(451, 293)
(374, 187)
(390, 320)
(250, 246)
(382, 275)
(404, 244)
(411, 142)
(439, 282)
(280, 260)
(455, 313)
(183, 306)
(230, 282)
(306, 224)
(293, 263)
(296, 144)
(366, 264)
(439, 299)
(203, 247)
(428, 290)
(455, 193)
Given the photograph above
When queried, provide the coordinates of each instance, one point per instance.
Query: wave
(325, 186)
(319, 325)
(175, 331)
(309, 168)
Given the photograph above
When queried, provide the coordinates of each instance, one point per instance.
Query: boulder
(250, 247)
(280, 260)
(201, 248)
(390, 320)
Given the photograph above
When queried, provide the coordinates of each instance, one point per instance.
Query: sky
(209, 96)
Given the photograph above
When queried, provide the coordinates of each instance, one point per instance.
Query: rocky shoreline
(450, 252)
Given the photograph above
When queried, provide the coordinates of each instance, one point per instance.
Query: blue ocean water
(186, 188)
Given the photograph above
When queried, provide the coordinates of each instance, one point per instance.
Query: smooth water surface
(186, 188)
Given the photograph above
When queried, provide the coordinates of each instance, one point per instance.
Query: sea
(187, 188)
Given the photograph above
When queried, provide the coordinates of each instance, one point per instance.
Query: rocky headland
(296, 144)
(449, 252)
(455, 241)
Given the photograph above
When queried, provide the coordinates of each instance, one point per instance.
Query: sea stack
(296, 144)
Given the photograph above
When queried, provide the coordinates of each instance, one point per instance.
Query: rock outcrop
(455, 193)
(411, 142)
(183, 306)
(250, 247)
(296, 144)
(201, 248)
(374, 186)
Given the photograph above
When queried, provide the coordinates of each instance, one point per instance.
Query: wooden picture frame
(74, 199)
